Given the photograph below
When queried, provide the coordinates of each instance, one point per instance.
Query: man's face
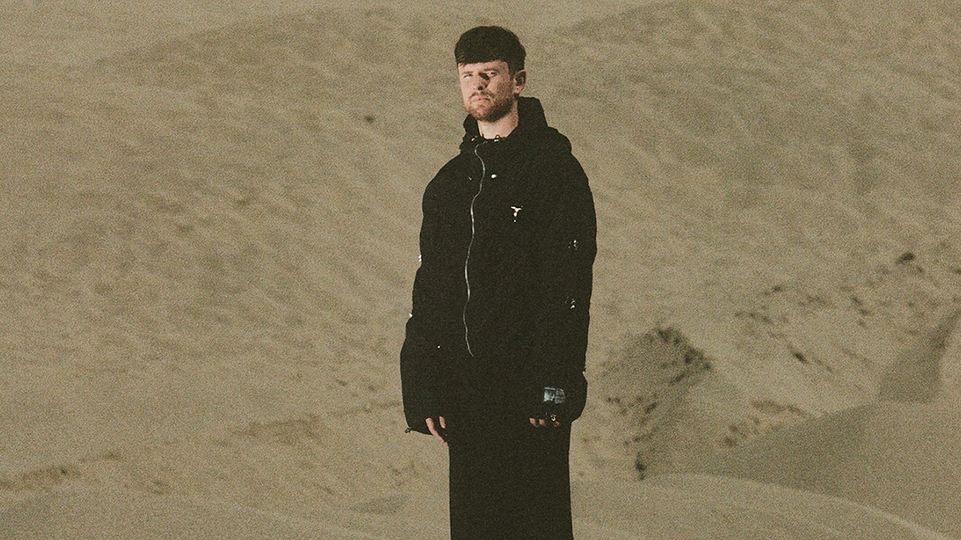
(488, 89)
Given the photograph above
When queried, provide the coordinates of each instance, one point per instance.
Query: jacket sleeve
(424, 362)
(566, 251)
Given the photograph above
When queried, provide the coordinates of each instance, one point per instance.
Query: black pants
(509, 480)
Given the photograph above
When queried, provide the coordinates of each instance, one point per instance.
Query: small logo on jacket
(516, 210)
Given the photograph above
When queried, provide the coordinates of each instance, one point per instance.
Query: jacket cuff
(545, 400)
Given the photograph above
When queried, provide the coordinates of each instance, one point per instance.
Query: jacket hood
(532, 127)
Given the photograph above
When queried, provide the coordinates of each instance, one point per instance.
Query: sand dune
(208, 234)
(669, 506)
(704, 506)
(97, 515)
(901, 456)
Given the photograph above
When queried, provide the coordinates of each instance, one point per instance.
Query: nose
(479, 82)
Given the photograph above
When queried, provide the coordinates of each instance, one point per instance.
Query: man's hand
(543, 422)
(437, 428)
(554, 399)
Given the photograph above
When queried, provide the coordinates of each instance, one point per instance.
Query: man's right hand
(438, 427)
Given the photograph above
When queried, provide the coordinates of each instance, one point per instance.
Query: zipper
(480, 188)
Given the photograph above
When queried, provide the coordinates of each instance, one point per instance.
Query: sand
(208, 234)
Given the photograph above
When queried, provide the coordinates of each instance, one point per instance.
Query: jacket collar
(531, 120)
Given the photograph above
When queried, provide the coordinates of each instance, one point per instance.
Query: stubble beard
(491, 111)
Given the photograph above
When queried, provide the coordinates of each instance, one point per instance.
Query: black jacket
(501, 299)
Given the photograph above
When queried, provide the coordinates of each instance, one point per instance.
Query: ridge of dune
(843, 518)
(89, 514)
(707, 506)
(900, 454)
(900, 458)
(923, 375)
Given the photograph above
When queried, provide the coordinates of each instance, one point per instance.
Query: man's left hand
(545, 422)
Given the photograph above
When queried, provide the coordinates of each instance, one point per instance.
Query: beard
(490, 111)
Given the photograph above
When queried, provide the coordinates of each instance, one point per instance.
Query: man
(493, 360)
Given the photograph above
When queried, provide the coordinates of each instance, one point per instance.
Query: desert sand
(208, 234)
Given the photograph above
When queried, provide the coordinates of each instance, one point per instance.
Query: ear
(520, 81)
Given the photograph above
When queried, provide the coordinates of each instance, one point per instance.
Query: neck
(501, 127)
